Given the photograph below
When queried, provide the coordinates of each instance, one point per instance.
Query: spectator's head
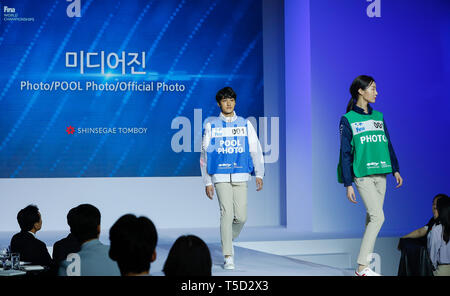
(133, 244)
(189, 255)
(30, 219)
(435, 199)
(443, 208)
(84, 222)
(71, 217)
(226, 99)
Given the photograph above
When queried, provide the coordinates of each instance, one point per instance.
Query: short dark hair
(27, 217)
(133, 242)
(226, 92)
(189, 255)
(84, 222)
(71, 215)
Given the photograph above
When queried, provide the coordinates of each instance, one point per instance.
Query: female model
(366, 157)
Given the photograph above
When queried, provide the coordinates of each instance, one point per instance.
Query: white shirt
(438, 249)
(255, 153)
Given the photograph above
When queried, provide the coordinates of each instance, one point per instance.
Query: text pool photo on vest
(229, 150)
(369, 145)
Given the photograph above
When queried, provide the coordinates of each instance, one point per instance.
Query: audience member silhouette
(67, 245)
(25, 242)
(93, 258)
(133, 244)
(423, 231)
(415, 260)
(438, 240)
(188, 256)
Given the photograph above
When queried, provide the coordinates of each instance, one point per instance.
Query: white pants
(372, 190)
(233, 212)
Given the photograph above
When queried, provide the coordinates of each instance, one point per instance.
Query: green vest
(369, 145)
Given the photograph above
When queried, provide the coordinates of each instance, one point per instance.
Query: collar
(361, 110)
(34, 235)
(228, 119)
(91, 243)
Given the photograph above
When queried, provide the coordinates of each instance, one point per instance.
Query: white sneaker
(229, 263)
(367, 272)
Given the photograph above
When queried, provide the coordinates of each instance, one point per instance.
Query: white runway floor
(253, 263)
(248, 262)
(265, 251)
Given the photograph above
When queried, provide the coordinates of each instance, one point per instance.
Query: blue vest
(228, 152)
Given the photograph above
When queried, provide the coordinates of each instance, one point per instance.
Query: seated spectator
(67, 245)
(438, 240)
(92, 259)
(423, 231)
(414, 259)
(189, 256)
(25, 242)
(133, 244)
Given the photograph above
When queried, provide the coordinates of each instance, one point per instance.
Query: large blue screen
(120, 88)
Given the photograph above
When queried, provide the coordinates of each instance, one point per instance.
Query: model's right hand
(351, 194)
(209, 191)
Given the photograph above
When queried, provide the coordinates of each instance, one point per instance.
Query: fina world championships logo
(11, 14)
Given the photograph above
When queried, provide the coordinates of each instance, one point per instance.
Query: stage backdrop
(58, 146)
(120, 88)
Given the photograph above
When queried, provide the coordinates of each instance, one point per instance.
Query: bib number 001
(238, 131)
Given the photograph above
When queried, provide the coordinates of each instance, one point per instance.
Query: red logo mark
(70, 130)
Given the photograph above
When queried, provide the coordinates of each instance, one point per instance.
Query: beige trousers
(233, 212)
(442, 270)
(372, 190)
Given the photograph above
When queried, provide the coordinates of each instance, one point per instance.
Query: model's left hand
(259, 184)
(399, 179)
